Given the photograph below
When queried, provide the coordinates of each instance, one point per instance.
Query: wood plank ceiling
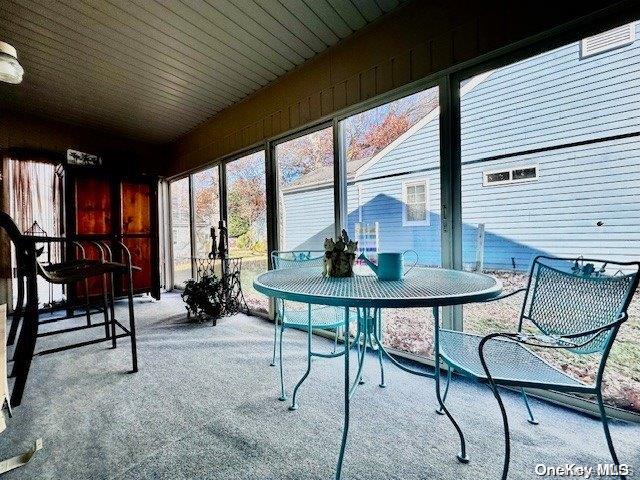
(154, 69)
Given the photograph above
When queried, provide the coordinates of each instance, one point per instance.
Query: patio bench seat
(510, 363)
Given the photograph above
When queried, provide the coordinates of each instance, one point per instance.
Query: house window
(605, 41)
(415, 205)
(510, 175)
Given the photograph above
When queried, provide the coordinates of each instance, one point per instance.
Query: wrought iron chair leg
(462, 456)
(532, 420)
(607, 433)
(275, 340)
(439, 411)
(378, 326)
(112, 311)
(294, 404)
(132, 328)
(17, 313)
(496, 393)
(505, 423)
(87, 306)
(362, 351)
(335, 341)
(105, 307)
(283, 395)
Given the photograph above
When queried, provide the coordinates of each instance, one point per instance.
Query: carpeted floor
(204, 406)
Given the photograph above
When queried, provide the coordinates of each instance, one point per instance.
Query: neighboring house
(550, 165)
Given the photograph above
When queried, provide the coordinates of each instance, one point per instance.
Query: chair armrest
(506, 295)
(554, 341)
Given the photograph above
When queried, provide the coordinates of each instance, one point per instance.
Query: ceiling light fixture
(10, 69)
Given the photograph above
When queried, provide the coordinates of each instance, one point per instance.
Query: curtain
(33, 191)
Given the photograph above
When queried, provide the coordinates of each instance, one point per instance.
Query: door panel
(93, 205)
(136, 208)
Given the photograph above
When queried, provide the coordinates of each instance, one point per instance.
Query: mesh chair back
(297, 259)
(567, 297)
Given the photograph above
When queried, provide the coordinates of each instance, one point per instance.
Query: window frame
(422, 181)
(511, 180)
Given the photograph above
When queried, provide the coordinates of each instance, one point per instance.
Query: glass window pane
(524, 173)
(247, 221)
(498, 177)
(573, 111)
(305, 173)
(390, 167)
(180, 231)
(206, 204)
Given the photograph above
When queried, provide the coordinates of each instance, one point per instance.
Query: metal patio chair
(296, 315)
(299, 316)
(574, 305)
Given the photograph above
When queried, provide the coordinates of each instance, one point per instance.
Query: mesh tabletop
(421, 287)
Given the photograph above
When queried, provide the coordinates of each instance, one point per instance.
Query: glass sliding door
(305, 190)
(392, 157)
(247, 221)
(180, 231)
(551, 166)
(206, 208)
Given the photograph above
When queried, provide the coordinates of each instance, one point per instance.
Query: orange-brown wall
(24, 131)
(421, 38)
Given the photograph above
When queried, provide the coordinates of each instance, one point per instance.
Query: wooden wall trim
(419, 40)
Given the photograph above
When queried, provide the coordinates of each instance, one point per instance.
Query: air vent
(617, 37)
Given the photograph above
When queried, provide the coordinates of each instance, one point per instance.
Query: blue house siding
(382, 201)
(419, 151)
(586, 200)
(553, 98)
(307, 219)
(557, 214)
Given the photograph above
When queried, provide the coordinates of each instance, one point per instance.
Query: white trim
(432, 115)
(511, 181)
(608, 40)
(412, 183)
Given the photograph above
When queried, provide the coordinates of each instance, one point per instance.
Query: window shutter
(617, 37)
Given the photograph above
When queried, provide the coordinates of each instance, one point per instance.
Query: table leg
(462, 456)
(347, 385)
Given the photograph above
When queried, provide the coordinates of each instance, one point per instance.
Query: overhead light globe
(10, 69)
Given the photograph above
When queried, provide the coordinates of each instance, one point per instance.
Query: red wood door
(136, 227)
(93, 216)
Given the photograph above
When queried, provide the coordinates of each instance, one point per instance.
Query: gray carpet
(204, 406)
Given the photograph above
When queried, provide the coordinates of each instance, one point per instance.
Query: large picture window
(392, 157)
(180, 231)
(556, 138)
(206, 208)
(548, 165)
(305, 186)
(247, 221)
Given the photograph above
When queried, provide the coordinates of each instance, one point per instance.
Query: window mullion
(339, 177)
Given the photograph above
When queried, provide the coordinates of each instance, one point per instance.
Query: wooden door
(93, 216)
(137, 232)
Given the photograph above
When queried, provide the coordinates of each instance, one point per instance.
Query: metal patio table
(421, 287)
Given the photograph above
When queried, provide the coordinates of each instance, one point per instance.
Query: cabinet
(107, 206)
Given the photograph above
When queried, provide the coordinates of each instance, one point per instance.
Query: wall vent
(614, 38)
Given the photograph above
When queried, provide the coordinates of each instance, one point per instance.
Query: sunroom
(320, 239)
